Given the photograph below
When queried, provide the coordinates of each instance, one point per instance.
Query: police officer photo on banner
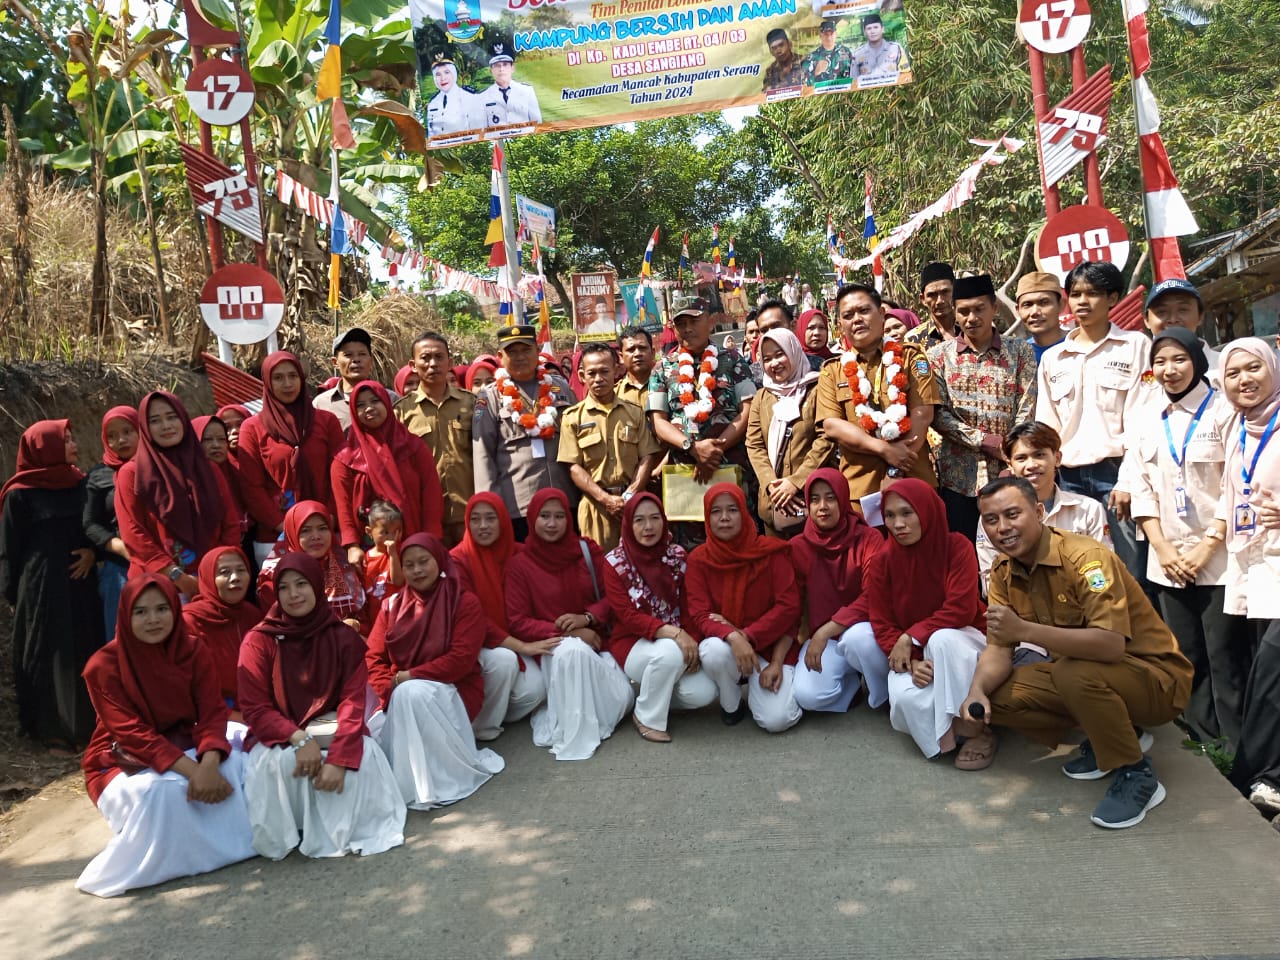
(508, 102)
(879, 59)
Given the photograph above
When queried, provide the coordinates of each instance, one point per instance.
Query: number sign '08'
(1078, 234)
(242, 303)
(1054, 26)
(220, 92)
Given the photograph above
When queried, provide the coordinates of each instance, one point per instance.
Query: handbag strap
(591, 567)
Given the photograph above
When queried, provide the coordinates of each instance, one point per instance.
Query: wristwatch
(687, 444)
(174, 573)
(627, 495)
(895, 472)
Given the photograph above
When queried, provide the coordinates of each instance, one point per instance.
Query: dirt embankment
(80, 392)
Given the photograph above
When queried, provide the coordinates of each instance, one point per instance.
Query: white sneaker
(1265, 797)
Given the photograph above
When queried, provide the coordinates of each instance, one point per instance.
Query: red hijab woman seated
(308, 529)
(423, 662)
(556, 606)
(173, 505)
(834, 556)
(653, 636)
(929, 620)
(744, 601)
(382, 460)
(221, 616)
(159, 767)
(284, 452)
(303, 679)
(511, 690)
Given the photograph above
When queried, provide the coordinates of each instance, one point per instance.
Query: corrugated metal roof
(1241, 238)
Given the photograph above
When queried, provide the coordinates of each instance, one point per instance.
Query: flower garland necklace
(696, 412)
(541, 424)
(893, 422)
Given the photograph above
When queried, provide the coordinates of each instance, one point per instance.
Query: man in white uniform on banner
(454, 108)
(508, 101)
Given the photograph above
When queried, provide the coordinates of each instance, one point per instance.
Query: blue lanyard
(1247, 475)
(1191, 430)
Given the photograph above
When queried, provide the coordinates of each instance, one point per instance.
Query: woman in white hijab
(784, 439)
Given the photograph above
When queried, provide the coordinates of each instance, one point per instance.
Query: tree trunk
(200, 339)
(99, 306)
(553, 278)
(21, 249)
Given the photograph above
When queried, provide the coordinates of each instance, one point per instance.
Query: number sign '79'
(1084, 127)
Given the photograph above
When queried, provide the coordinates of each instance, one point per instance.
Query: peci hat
(1038, 282)
(966, 288)
(517, 333)
(500, 53)
(696, 307)
(828, 26)
(357, 334)
(1176, 285)
(934, 272)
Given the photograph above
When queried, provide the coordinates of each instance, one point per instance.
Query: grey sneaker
(1085, 766)
(1134, 790)
(1265, 797)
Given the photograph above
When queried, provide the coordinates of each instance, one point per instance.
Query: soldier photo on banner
(590, 63)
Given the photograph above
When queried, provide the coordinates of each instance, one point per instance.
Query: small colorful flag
(869, 224)
(831, 233)
(684, 261)
(715, 253)
(329, 79)
(339, 242)
(646, 268)
(495, 237)
(759, 268)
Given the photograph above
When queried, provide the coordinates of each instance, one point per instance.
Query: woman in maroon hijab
(174, 507)
(284, 452)
(221, 615)
(46, 569)
(653, 636)
(833, 558)
(557, 608)
(214, 440)
(308, 529)
(303, 680)
(159, 767)
(382, 460)
(743, 600)
(423, 663)
(929, 621)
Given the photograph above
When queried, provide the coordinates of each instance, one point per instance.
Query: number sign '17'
(1054, 26)
(220, 92)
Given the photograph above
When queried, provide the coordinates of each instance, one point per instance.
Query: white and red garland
(892, 422)
(541, 424)
(696, 412)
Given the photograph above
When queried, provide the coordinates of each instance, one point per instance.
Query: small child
(383, 577)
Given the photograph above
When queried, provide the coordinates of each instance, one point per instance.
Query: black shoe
(1085, 766)
(734, 718)
(1134, 790)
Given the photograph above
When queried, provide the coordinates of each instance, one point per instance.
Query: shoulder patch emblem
(1094, 578)
(922, 367)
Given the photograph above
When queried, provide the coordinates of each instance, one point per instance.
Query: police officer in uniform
(508, 101)
(830, 60)
(878, 57)
(507, 458)
(454, 108)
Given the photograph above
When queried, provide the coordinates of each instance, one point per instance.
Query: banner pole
(509, 238)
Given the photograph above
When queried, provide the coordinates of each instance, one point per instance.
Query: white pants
(846, 661)
(429, 744)
(774, 712)
(587, 695)
(159, 834)
(927, 712)
(510, 693)
(658, 667)
(367, 817)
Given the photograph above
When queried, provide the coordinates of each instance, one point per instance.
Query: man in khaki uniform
(638, 360)
(509, 458)
(868, 460)
(1114, 664)
(441, 415)
(608, 446)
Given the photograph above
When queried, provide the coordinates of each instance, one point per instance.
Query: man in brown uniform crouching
(1114, 666)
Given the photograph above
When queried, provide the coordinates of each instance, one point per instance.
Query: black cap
(933, 272)
(968, 287)
(1176, 285)
(696, 307)
(872, 18)
(357, 334)
(521, 333)
(501, 53)
(828, 26)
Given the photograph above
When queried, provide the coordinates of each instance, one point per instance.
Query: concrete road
(833, 840)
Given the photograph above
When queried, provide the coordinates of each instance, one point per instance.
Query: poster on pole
(635, 294)
(536, 220)
(595, 312)
(506, 68)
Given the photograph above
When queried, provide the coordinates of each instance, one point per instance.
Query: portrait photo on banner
(488, 71)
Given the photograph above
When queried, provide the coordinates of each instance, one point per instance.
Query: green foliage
(460, 311)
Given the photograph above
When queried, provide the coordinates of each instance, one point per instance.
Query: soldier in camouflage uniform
(830, 60)
(787, 69)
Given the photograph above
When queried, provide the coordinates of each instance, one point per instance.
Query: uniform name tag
(1180, 500)
(537, 449)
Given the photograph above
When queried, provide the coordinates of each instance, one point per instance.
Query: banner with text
(505, 68)
(595, 312)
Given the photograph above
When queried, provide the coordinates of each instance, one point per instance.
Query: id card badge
(1245, 518)
(537, 449)
(1180, 501)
